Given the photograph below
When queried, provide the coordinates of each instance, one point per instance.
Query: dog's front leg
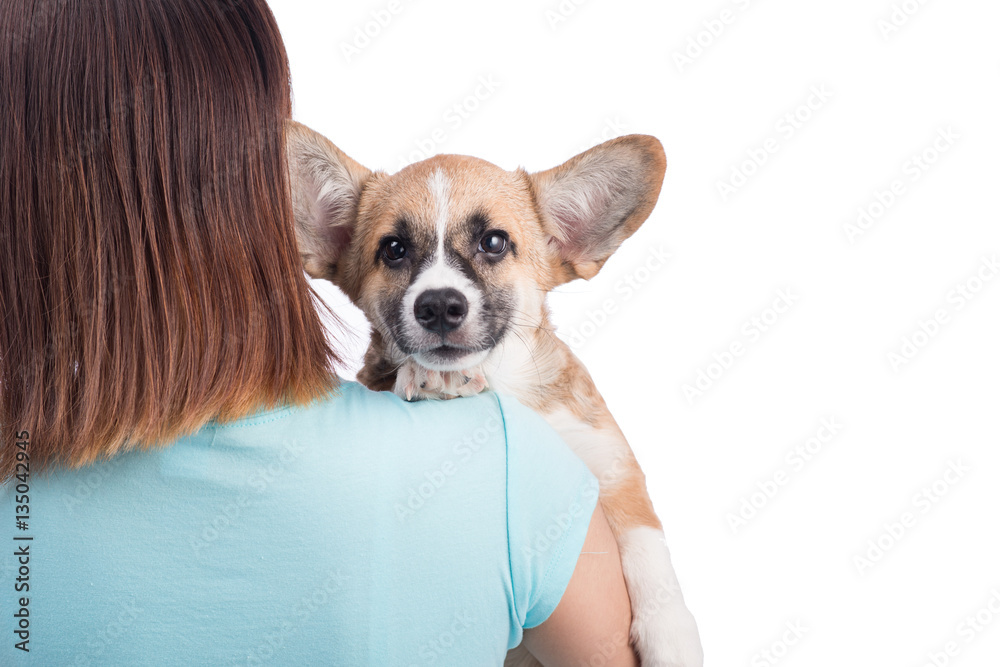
(664, 631)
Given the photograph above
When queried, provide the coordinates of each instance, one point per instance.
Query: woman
(187, 482)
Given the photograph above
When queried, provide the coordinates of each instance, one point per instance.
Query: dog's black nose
(441, 310)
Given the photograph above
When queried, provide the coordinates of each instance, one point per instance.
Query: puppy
(451, 260)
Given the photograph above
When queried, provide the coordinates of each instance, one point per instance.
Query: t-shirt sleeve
(551, 496)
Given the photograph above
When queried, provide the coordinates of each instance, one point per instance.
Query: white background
(606, 68)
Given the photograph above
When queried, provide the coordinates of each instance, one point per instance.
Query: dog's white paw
(664, 631)
(414, 382)
(667, 636)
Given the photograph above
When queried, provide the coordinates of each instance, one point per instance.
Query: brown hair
(149, 276)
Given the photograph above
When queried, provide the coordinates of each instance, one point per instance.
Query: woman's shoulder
(352, 425)
(484, 414)
(390, 426)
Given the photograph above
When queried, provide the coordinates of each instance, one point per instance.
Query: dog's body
(451, 260)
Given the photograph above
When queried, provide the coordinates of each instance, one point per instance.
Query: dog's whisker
(531, 353)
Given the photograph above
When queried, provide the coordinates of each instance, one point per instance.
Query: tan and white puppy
(451, 260)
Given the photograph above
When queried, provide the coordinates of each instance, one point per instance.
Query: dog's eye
(393, 250)
(493, 243)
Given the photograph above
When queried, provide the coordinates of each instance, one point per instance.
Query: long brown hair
(149, 276)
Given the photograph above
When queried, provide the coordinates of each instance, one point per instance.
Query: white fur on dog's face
(440, 270)
(386, 240)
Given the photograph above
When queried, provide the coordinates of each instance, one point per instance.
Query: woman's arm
(591, 623)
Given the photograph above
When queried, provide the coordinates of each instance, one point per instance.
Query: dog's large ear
(326, 187)
(596, 200)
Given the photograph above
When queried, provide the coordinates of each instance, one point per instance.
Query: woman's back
(151, 284)
(357, 530)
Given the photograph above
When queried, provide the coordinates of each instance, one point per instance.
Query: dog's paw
(664, 632)
(666, 635)
(414, 382)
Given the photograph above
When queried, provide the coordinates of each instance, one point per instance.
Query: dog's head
(449, 255)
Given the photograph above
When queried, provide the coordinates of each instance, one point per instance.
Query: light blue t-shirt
(360, 530)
